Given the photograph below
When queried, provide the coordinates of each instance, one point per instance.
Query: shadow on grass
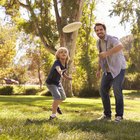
(23, 99)
(132, 95)
(77, 106)
(37, 122)
(31, 101)
(123, 130)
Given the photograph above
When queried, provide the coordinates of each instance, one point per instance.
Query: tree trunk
(68, 40)
(39, 77)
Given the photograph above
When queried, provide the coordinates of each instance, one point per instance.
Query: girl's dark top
(54, 77)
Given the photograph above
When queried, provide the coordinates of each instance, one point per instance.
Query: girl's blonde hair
(61, 49)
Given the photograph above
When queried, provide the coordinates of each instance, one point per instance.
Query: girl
(53, 81)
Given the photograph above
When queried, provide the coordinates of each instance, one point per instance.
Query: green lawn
(78, 122)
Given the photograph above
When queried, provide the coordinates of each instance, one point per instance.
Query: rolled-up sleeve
(115, 41)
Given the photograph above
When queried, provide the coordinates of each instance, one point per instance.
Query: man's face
(100, 32)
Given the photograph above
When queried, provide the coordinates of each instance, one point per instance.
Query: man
(113, 64)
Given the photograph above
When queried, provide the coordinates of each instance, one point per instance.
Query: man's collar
(105, 39)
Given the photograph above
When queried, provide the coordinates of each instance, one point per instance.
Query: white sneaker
(104, 118)
(118, 119)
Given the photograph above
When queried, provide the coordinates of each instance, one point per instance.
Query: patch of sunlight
(5, 113)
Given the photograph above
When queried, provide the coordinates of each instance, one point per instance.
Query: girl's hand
(63, 70)
(69, 78)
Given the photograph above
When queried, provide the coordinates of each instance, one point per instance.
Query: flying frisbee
(74, 26)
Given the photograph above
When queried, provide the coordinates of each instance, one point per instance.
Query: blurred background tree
(34, 32)
(37, 18)
(8, 35)
(86, 54)
(131, 13)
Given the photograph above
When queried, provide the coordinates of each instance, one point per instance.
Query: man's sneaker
(52, 118)
(59, 110)
(104, 118)
(118, 119)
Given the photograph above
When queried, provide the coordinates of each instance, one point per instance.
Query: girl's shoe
(52, 118)
(59, 110)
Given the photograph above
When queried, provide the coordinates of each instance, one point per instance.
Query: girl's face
(63, 54)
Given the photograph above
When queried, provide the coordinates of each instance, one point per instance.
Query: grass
(78, 122)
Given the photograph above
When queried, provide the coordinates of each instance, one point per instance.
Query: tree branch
(58, 18)
(23, 5)
(51, 49)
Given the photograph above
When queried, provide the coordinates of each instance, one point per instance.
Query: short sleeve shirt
(116, 61)
(54, 77)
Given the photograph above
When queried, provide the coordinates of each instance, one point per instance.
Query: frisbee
(71, 27)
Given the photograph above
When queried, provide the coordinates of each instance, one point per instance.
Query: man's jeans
(106, 83)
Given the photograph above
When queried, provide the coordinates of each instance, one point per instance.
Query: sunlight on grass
(26, 118)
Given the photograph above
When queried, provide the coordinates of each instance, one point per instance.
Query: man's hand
(114, 50)
(103, 55)
(98, 74)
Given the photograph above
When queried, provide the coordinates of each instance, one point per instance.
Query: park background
(30, 33)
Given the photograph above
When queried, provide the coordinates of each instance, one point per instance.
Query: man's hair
(100, 24)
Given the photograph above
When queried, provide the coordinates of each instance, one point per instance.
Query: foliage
(38, 19)
(127, 42)
(7, 49)
(131, 13)
(86, 53)
(30, 91)
(20, 73)
(6, 90)
(48, 60)
(40, 60)
(89, 93)
(132, 81)
(33, 57)
(23, 90)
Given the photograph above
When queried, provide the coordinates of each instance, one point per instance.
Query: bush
(31, 91)
(24, 90)
(132, 81)
(6, 90)
(19, 90)
(89, 93)
(45, 92)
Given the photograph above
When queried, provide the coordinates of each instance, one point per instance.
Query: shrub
(89, 93)
(45, 92)
(30, 91)
(6, 90)
(19, 90)
(132, 81)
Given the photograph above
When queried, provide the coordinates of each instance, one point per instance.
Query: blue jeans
(106, 83)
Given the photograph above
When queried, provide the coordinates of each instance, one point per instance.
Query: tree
(8, 36)
(86, 42)
(131, 13)
(41, 23)
(39, 62)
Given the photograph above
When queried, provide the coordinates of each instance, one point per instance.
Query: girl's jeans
(106, 83)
